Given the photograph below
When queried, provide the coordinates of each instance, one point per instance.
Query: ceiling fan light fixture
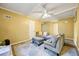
(46, 15)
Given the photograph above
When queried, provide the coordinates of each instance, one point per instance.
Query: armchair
(55, 46)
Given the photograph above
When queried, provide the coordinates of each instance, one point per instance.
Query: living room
(32, 28)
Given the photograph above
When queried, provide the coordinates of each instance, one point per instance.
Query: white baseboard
(20, 42)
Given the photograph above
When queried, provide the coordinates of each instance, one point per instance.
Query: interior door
(31, 29)
(55, 28)
(45, 27)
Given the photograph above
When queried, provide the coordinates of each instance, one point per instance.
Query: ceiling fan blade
(37, 11)
(50, 10)
(44, 5)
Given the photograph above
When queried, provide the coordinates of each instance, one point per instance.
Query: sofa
(37, 40)
(55, 44)
(40, 39)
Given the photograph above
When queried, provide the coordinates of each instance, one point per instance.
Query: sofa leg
(38, 44)
(32, 41)
(57, 54)
(44, 47)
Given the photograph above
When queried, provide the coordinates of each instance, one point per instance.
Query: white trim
(13, 11)
(64, 11)
(20, 42)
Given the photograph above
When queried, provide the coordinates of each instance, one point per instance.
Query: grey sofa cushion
(47, 37)
(38, 38)
(52, 41)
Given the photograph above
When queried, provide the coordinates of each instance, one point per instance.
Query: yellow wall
(66, 26)
(16, 29)
(50, 30)
(77, 24)
(37, 26)
(76, 29)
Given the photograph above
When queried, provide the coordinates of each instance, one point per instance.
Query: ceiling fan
(53, 11)
(45, 14)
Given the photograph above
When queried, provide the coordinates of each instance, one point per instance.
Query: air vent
(7, 17)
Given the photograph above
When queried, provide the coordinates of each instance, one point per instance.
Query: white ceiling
(23, 8)
(56, 10)
(35, 10)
